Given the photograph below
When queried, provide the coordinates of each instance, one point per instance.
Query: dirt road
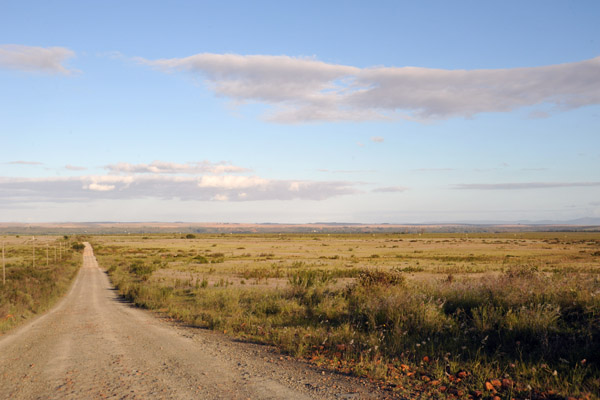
(93, 345)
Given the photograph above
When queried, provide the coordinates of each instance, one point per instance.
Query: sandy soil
(94, 345)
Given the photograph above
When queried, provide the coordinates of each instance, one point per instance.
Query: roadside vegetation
(447, 315)
(37, 273)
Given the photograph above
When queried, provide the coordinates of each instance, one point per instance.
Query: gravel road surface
(93, 345)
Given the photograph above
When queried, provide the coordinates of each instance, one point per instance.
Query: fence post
(3, 267)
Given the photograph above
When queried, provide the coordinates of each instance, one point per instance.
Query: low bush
(78, 246)
(375, 277)
(141, 270)
(200, 259)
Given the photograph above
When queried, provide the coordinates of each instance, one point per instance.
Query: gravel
(93, 344)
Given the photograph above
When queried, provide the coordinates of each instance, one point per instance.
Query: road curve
(94, 345)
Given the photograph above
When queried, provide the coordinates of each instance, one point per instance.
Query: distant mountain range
(587, 221)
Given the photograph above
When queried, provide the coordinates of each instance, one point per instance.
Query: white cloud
(20, 162)
(433, 169)
(99, 187)
(259, 77)
(523, 185)
(390, 189)
(231, 182)
(74, 168)
(204, 188)
(377, 139)
(348, 171)
(109, 179)
(305, 89)
(35, 59)
(161, 167)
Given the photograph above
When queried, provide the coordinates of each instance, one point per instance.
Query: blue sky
(398, 112)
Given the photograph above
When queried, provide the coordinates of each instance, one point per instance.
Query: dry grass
(31, 289)
(516, 315)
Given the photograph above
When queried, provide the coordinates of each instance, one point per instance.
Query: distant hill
(588, 221)
(582, 225)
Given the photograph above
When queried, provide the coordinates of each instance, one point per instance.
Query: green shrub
(141, 270)
(375, 277)
(78, 246)
(200, 259)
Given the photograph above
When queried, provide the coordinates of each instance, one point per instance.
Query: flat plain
(514, 315)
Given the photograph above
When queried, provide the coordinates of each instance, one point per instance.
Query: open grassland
(37, 271)
(449, 315)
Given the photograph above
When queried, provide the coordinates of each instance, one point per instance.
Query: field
(38, 270)
(448, 315)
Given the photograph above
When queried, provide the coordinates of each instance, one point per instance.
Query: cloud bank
(166, 185)
(74, 167)
(305, 89)
(22, 162)
(523, 185)
(390, 189)
(35, 59)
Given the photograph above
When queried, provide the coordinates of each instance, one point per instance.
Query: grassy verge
(479, 327)
(31, 289)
